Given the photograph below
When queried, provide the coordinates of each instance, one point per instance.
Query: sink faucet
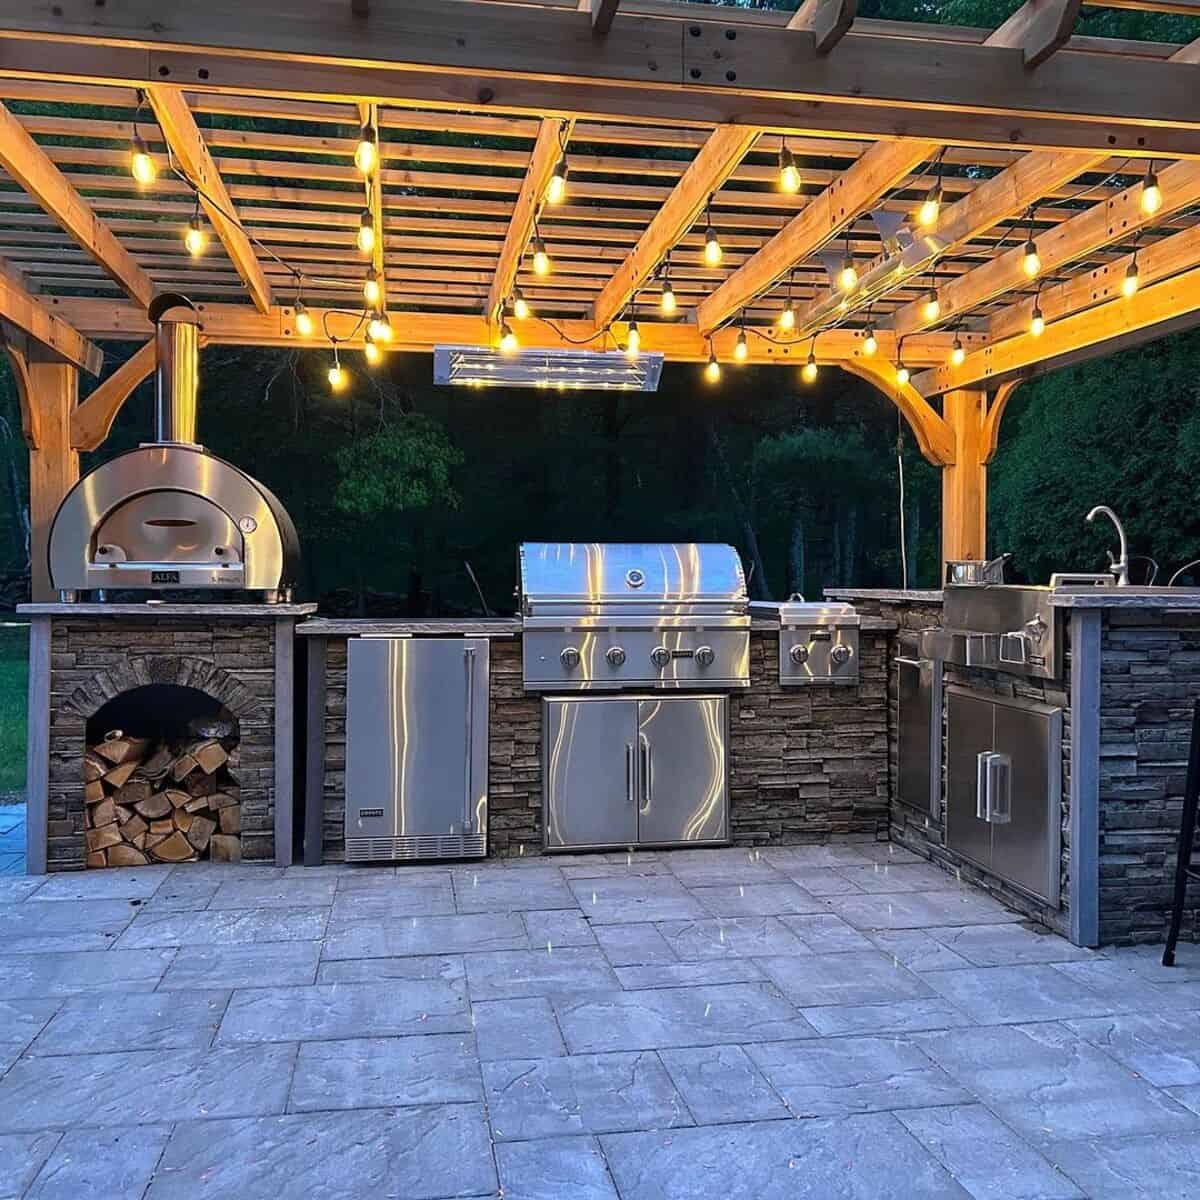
(1119, 567)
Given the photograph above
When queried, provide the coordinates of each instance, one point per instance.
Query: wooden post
(964, 483)
(53, 465)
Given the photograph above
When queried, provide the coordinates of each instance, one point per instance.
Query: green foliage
(14, 686)
(402, 466)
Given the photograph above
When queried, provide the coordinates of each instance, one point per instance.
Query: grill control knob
(799, 655)
(569, 658)
(705, 656)
(615, 656)
(840, 655)
(660, 656)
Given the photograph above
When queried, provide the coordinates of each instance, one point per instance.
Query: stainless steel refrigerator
(416, 748)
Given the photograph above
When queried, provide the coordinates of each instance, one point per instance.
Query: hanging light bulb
(1031, 263)
(740, 348)
(194, 237)
(902, 375)
(1152, 196)
(809, 371)
(933, 306)
(366, 232)
(304, 321)
(787, 316)
(556, 190)
(633, 340)
(958, 354)
(337, 373)
(372, 293)
(712, 371)
(520, 306)
(931, 207)
(508, 339)
(667, 299)
(712, 248)
(366, 153)
(1131, 282)
(371, 351)
(379, 327)
(870, 343)
(1037, 322)
(789, 174)
(141, 166)
(541, 260)
(848, 275)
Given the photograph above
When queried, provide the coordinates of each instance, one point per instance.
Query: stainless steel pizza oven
(602, 617)
(169, 515)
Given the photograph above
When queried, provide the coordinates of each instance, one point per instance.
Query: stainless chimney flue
(177, 374)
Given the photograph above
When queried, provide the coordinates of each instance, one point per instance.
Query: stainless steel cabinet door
(919, 733)
(1025, 847)
(682, 769)
(590, 772)
(969, 732)
(416, 753)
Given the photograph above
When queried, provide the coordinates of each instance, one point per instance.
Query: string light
(141, 166)
(633, 340)
(848, 275)
(304, 321)
(366, 232)
(1037, 322)
(871, 342)
(541, 260)
(520, 306)
(194, 237)
(740, 347)
(957, 354)
(787, 317)
(933, 306)
(1131, 282)
(338, 378)
(712, 244)
(556, 190)
(789, 174)
(371, 351)
(667, 300)
(902, 374)
(712, 370)
(1152, 196)
(379, 327)
(931, 207)
(508, 339)
(1031, 263)
(372, 293)
(366, 153)
(809, 371)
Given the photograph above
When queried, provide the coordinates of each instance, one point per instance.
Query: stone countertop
(500, 627)
(891, 595)
(1177, 599)
(152, 609)
(766, 625)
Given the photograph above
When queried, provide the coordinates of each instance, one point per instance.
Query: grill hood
(169, 515)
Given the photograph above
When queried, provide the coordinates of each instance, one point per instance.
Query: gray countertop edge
(894, 595)
(220, 611)
(500, 627)
(1112, 598)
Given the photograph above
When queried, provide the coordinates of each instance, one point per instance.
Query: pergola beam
(827, 20)
(715, 162)
(878, 170)
(522, 59)
(27, 313)
(1163, 308)
(186, 141)
(93, 418)
(602, 13)
(552, 136)
(1038, 28)
(1114, 220)
(29, 166)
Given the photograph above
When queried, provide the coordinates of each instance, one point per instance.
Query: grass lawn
(14, 682)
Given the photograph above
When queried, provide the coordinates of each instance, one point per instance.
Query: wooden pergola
(673, 119)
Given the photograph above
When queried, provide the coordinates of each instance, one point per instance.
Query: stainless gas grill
(607, 617)
(169, 515)
(818, 641)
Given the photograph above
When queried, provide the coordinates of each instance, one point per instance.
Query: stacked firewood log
(148, 801)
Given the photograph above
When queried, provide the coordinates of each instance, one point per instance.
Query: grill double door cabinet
(1004, 787)
(416, 748)
(632, 770)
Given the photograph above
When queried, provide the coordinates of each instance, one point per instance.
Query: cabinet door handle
(999, 773)
(647, 773)
(629, 772)
(469, 780)
(981, 785)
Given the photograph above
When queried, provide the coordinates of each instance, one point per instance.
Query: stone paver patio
(824, 1022)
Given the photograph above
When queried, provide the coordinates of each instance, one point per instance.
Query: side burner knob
(840, 655)
(615, 656)
(705, 656)
(660, 656)
(799, 655)
(569, 658)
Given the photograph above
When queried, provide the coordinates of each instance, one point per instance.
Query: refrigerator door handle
(469, 780)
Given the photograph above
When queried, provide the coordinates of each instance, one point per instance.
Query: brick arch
(178, 670)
